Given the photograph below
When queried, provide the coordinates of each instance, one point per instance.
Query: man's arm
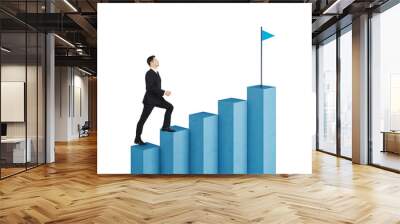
(151, 85)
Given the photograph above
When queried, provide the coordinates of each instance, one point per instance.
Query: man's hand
(167, 93)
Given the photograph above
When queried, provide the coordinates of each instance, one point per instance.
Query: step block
(145, 159)
(203, 129)
(174, 150)
(232, 136)
(261, 114)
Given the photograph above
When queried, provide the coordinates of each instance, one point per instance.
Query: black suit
(154, 98)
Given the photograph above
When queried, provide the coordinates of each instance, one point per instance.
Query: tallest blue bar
(261, 129)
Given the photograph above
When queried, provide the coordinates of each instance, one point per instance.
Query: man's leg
(167, 116)
(145, 114)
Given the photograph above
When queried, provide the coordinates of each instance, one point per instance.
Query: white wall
(62, 81)
(69, 84)
(80, 84)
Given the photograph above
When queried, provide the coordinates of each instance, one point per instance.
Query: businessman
(154, 98)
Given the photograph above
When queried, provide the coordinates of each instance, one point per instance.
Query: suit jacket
(154, 94)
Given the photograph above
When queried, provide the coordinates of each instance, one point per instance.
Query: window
(385, 89)
(346, 93)
(327, 96)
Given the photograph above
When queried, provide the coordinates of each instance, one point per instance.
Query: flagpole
(261, 64)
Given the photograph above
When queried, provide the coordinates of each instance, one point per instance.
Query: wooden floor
(70, 191)
(387, 159)
(5, 172)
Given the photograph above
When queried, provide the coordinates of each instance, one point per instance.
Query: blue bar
(203, 129)
(261, 114)
(145, 159)
(175, 151)
(232, 136)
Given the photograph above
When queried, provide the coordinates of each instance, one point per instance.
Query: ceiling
(76, 22)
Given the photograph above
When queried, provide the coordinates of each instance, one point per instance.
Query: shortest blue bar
(145, 159)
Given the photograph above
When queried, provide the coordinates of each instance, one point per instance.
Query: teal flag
(265, 35)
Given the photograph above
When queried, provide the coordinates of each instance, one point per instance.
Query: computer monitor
(3, 129)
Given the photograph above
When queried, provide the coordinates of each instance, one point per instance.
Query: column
(360, 90)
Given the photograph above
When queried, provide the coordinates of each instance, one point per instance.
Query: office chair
(84, 130)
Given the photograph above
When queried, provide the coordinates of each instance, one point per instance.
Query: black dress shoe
(167, 129)
(139, 141)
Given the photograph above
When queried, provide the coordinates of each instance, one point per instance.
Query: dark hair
(149, 59)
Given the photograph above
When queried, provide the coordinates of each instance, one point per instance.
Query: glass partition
(31, 100)
(22, 101)
(385, 89)
(346, 93)
(327, 96)
(14, 153)
(41, 109)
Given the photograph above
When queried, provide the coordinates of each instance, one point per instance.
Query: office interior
(335, 59)
(48, 81)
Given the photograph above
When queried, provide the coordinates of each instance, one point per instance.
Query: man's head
(152, 61)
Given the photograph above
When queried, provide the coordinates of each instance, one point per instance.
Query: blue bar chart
(240, 139)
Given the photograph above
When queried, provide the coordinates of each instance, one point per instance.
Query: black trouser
(147, 111)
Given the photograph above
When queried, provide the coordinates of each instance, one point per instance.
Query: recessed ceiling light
(64, 40)
(5, 50)
(338, 6)
(70, 5)
(84, 71)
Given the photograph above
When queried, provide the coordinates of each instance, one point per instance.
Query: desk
(391, 141)
(15, 148)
